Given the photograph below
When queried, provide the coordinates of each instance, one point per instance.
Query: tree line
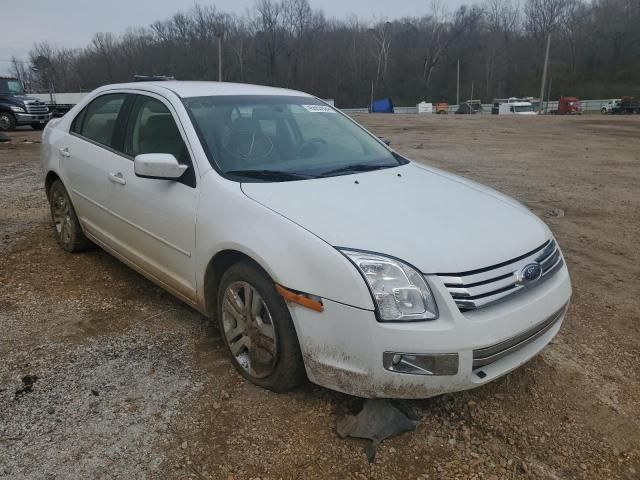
(499, 44)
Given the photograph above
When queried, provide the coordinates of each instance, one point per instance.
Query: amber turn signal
(300, 299)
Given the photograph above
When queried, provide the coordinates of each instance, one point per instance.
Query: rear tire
(68, 230)
(259, 335)
(7, 122)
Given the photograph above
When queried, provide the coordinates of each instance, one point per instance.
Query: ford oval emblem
(530, 273)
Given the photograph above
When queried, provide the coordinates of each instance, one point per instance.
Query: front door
(156, 217)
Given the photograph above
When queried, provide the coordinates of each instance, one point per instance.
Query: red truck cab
(569, 106)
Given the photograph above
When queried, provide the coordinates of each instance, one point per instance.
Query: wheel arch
(216, 267)
(6, 110)
(49, 178)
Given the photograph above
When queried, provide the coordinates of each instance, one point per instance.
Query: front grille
(479, 288)
(487, 355)
(37, 108)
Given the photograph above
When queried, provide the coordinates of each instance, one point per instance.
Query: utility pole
(458, 85)
(548, 94)
(544, 74)
(371, 102)
(219, 35)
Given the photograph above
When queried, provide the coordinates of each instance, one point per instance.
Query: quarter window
(99, 120)
(76, 125)
(152, 129)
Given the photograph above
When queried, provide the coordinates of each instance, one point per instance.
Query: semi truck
(568, 106)
(610, 106)
(621, 106)
(16, 108)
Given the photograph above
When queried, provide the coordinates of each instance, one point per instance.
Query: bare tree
(285, 42)
(502, 20)
(543, 16)
(444, 32)
(381, 35)
(22, 71)
(267, 21)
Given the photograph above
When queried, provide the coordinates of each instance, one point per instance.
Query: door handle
(64, 151)
(117, 178)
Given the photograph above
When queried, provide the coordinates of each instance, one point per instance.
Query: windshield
(524, 108)
(281, 138)
(12, 86)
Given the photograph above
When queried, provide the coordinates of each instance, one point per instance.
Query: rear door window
(99, 122)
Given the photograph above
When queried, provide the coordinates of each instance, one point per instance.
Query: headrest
(159, 126)
(245, 124)
(268, 113)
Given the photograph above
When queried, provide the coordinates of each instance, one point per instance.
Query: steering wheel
(311, 141)
(247, 145)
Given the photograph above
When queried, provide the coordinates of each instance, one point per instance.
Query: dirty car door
(87, 159)
(156, 228)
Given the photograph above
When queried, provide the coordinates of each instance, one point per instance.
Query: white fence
(587, 106)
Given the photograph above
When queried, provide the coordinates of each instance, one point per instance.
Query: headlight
(17, 109)
(399, 291)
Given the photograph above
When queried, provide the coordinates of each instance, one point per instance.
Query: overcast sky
(72, 23)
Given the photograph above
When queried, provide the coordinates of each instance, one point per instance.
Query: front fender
(294, 257)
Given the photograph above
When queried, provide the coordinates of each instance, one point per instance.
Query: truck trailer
(59, 103)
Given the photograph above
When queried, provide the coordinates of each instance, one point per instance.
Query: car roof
(186, 89)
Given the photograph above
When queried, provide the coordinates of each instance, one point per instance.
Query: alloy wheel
(249, 329)
(61, 215)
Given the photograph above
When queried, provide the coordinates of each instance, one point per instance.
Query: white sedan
(319, 251)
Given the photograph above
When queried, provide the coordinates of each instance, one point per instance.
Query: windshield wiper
(273, 175)
(356, 168)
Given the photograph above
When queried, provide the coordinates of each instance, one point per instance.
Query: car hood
(19, 98)
(436, 221)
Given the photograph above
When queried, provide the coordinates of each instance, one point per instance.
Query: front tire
(67, 227)
(38, 126)
(257, 329)
(7, 122)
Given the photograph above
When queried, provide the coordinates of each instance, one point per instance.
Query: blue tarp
(383, 105)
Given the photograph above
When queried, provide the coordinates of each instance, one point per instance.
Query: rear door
(156, 217)
(87, 159)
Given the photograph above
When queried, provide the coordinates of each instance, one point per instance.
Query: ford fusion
(320, 252)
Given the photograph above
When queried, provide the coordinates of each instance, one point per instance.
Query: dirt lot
(130, 384)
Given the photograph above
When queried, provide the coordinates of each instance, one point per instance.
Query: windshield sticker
(319, 108)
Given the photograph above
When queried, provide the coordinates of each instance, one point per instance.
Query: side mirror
(386, 141)
(158, 165)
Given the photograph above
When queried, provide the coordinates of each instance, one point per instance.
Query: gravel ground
(103, 375)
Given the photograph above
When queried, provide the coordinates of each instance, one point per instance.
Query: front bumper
(343, 347)
(29, 118)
